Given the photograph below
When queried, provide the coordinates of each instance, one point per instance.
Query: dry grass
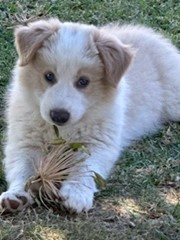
(51, 171)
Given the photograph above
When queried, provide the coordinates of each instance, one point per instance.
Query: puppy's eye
(82, 82)
(50, 77)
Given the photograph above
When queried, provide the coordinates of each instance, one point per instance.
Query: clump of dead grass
(61, 160)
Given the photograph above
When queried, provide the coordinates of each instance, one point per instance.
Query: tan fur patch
(115, 56)
(28, 39)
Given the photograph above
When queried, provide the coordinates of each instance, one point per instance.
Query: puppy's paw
(76, 198)
(14, 201)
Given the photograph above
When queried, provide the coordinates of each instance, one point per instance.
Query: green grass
(142, 197)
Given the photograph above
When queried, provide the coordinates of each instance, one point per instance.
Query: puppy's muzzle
(59, 116)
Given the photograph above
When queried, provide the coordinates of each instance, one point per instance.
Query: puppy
(102, 86)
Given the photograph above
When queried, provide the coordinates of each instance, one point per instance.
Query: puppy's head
(70, 68)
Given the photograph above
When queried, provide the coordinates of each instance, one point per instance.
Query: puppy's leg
(78, 192)
(18, 167)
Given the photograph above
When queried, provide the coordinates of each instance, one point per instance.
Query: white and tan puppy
(102, 86)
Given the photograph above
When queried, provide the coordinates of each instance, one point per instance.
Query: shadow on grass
(146, 185)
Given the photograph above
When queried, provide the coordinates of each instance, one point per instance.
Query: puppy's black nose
(59, 116)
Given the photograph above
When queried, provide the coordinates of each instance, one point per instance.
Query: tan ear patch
(115, 56)
(28, 39)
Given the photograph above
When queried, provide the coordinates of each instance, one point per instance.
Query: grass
(142, 198)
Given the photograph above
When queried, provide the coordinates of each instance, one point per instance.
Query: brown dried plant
(59, 162)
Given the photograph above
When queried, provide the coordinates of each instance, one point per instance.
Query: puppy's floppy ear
(28, 39)
(115, 56)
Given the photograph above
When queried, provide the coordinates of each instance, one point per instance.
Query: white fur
(106, 120)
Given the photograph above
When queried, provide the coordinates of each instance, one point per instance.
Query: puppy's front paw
(76, 197)
(14, 201)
